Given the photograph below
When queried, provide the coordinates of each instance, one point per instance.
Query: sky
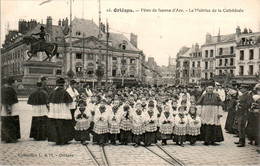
(160, 34)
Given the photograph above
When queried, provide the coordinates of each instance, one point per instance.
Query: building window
(206, 53)
(251, 54)
(78, 55)
(132, 61)
(232, 72)
(211, 75)
(198, 64)
(114, 72)
(241, 70)
(193, 64)
(206, 65)
(123, 46)
(206, 75)
(78, 33)
(241, 55)
(220, 51)
(211, 64)
(220, 62)
(251, 70)
(193, 73)
(58, 72)
(231, 61)
(211, 53)
(90, 56)
(231, 50)
(220, 72)
(123, 61)
(58, 56)
(78, 69)
(226, 62)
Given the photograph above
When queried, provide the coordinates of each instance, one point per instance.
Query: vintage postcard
(130, 82)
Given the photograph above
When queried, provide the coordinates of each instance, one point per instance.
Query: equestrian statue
(40, 45)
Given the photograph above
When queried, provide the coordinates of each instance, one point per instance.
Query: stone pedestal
(33, 70)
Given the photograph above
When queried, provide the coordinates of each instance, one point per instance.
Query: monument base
(33, 70)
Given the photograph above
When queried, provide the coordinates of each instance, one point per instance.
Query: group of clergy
(128, 115)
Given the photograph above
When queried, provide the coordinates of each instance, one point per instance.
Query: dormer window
(123, 45)
(78, 33)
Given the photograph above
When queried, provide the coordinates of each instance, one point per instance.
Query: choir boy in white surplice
(166, 124)
(101, 123)
(193, 126)
(138, 127)
(150, 125)
(113, 123)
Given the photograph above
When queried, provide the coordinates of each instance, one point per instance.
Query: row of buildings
(159, 75)
(124, 57)
(231, 58)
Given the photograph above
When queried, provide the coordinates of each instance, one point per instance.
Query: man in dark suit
(244, 103)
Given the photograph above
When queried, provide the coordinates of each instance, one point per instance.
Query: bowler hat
(60, 82)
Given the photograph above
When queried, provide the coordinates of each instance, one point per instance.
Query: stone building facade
(82, 58)
(183, 66)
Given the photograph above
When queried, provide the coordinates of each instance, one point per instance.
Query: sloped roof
(86, 27)
(118, 39)
(56, 31)
(184, 52)
(224, 38)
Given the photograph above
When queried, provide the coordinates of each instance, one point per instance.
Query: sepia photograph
(130, 82)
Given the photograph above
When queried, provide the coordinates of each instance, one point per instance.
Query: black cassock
(10, 128)
(60, 130)
(39, 99)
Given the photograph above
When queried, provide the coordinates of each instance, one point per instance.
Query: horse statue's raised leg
(29, 53)
(48, 56)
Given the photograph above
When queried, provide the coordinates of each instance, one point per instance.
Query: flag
(46, 1)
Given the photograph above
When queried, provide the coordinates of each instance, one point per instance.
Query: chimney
(66, 22)
(197, 47)
(245, 30)
(218, 37)
(59, 23)
(208, 38)
(49, 24)
(133, 39)
(63, 23)
(238, 30)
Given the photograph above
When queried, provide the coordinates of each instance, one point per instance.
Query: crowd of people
(137, 114)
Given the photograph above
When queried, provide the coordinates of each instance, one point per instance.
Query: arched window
(78, 67)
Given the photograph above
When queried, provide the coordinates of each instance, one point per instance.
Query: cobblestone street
(29, 152)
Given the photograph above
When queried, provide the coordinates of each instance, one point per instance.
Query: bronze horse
(38, 46)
